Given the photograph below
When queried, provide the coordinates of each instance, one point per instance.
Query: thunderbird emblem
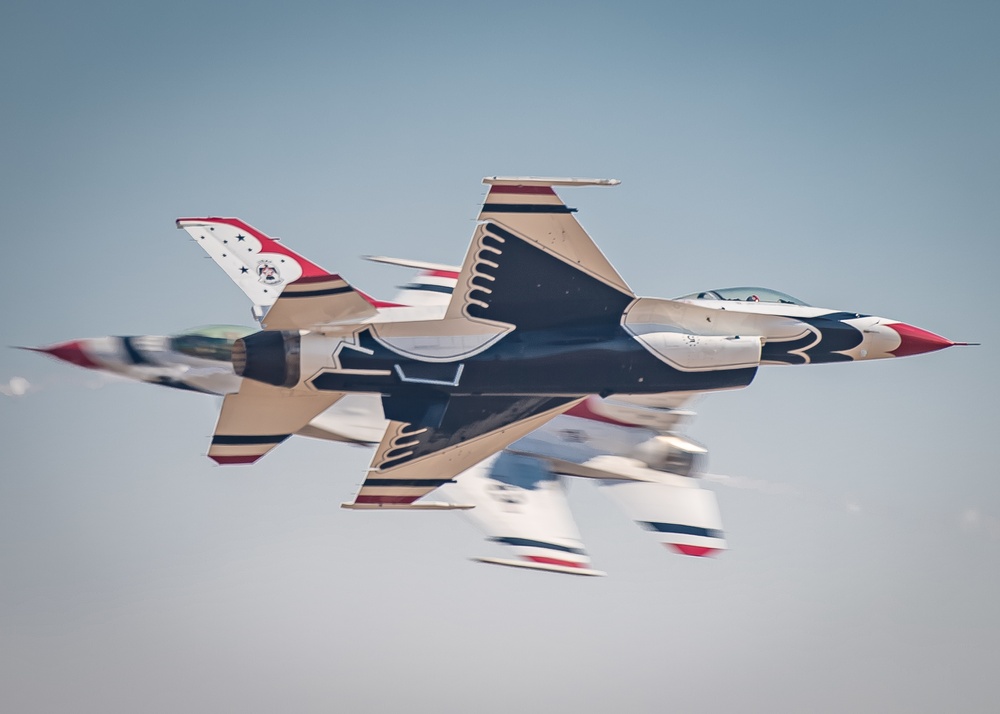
(268, 274)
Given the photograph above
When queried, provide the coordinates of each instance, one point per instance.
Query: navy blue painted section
(134, 355)
(581, 362)
(534, 289)
(317, 293)
(526, 208)
(842, 316)
(837, 336)
(571, 362)
(466, 418)
(242, 439)
(682, 529)
(443, 289)
(773, 351)
(528, 543)
(418, 407)
(418, 482)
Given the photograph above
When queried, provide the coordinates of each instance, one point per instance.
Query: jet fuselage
(564, 362)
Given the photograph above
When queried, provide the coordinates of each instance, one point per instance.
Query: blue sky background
(847, 154)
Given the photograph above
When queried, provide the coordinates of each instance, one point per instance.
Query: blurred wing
(521, 504)
(417, 456)
(431, 287)
(641, 462)
(681, 515)
(356, 419)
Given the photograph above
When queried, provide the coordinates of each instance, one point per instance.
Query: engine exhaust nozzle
(269, 356)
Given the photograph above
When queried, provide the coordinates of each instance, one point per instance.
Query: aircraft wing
(531, 264)
(521, 504)
(677, 512)
(314, 301)
(418, 455)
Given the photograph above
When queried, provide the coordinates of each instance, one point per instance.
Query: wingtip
(544, 567)
(234, 460)
(697, 551)
(415, 506)
(548, 181)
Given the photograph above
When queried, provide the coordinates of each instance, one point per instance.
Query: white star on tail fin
(265, 269)
(257, 263)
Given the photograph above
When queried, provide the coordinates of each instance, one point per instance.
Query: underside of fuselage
(542, 362)
(568, 361)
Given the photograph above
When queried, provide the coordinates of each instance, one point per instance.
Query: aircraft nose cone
(914, 341)
(71, 352)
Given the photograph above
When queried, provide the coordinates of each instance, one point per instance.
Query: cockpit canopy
(744, 295)
(214, 342)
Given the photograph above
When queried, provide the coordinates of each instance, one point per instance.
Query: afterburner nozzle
(269, 356)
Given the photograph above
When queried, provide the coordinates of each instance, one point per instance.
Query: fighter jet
(629, 444)
(539, 320)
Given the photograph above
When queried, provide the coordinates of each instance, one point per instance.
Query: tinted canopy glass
(748, 294)
(214, 342)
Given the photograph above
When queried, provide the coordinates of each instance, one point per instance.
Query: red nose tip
(71, 352)
(914, 341)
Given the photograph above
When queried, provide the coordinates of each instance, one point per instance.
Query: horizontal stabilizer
(417, 506)
(312, 302)
(540, 566)
(259, 417)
